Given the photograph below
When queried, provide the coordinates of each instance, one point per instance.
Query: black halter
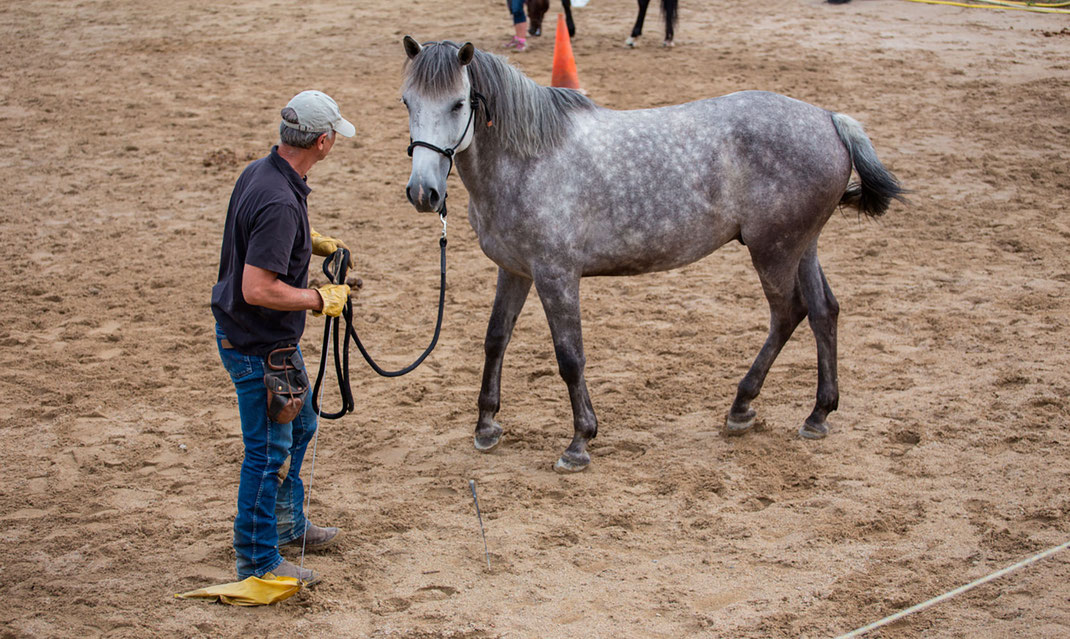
(339, 263)
(475, 99)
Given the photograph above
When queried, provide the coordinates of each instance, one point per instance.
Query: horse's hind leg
(823, 313)
(536, 10)
(637, 30)
(508, 301)
(668, 10)
(560, 295)
(787, 308)
(567, 6)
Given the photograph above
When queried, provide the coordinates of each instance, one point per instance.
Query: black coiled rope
(336, 267)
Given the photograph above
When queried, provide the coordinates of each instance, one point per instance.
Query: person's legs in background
(520, 23)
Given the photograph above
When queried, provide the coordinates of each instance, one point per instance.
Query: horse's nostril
(408, 194)
(433, 200)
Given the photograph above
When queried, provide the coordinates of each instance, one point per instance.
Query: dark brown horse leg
(536, 11)
(637, 30)
(559, 292)
(508, 300)
(567, 6)
(823, 313)
(787, 308)
(668, 10)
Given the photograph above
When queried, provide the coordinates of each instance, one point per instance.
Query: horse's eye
(457, 107)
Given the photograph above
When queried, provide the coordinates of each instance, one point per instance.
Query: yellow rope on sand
(1007, 6)
(947, 595)
(1026, 3)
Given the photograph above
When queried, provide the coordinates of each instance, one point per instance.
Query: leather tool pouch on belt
(287, 384)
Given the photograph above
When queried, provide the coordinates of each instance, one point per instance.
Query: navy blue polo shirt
(267, 226)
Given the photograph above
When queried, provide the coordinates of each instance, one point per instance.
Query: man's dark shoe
(316, 538)
(287, 569)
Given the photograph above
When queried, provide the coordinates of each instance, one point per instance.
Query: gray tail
(878, 187)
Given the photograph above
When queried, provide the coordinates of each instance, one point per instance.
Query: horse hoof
(488, 441)
(739, 424)
(572, 463)
(668, 44)
(810, 430)
(631, 42)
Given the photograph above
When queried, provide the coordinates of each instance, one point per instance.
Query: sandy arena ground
(128, 122)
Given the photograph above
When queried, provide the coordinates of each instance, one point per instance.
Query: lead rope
(340, 260)
(312, 468)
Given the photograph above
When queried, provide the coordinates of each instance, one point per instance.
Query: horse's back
(743, 165)
(654, 189)
(740, 140)
(759, 135)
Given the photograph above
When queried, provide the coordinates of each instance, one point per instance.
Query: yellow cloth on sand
(253, 591)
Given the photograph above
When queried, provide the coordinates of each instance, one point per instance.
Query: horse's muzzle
(423, 197)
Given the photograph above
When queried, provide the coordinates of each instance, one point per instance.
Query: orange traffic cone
(564, 74)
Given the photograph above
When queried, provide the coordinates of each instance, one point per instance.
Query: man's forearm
(279, 296)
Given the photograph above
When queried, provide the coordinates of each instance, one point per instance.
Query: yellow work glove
(334, 298)
(325, 246)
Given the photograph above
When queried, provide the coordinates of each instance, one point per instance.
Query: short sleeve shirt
(267, 226)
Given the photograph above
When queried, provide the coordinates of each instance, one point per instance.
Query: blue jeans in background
(516, 7)
(270, 512)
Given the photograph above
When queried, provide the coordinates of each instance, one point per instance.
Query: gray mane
(528, 118)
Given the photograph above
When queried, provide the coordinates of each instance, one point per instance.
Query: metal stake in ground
(486, 553)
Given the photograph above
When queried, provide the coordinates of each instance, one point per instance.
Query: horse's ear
(412, 47)
(467, 52)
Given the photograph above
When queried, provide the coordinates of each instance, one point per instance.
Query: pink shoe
(520, 44)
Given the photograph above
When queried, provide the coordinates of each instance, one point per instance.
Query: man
(259, 304)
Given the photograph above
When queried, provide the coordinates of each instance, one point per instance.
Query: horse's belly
(655, 233)
(645, 254)
(503, 252)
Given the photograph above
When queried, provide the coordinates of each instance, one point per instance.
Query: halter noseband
(475, 99)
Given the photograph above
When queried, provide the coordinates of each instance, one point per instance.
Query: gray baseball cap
(318, 113)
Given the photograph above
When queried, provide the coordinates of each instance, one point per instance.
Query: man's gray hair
(293, 137)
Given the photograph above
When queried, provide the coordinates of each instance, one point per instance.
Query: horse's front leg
(560, 295)
(508, 301)
(637, 30)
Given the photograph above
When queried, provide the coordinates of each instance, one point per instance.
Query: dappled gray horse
(560, 188)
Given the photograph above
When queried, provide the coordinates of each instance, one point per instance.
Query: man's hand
(334, 297)
(325, 246)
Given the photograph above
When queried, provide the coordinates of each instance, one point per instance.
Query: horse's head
(438, 94)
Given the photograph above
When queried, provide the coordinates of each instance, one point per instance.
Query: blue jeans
(270, 511)
(516, 7)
